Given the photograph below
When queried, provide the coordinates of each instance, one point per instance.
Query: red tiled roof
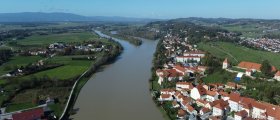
(165, 95)
(234, 97)
(183, 83)
(242, 113)
(190, 108)
(201, 90)
(205, 110)
(180, 68)
(278, 73)
(252, 65)
(259, 105)
(211, 93)
(181, 113)
(29, 115)
(225, 61)
(188, 56)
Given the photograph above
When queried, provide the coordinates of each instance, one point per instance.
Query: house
(181, 114)
(224, 95)
(195, 53)
(218, 110)
(248, 72)
(33, 114)
(211, 95)
(197, 92)
(246, 104)
(175, 104)
(253, 66)
(225, 64)
(204, 111)
(219, 107)
(233, 101)
(167, 91)
(165, 97)
(170, 74)
(183, 85)
(240, 115)
(191, 110)
(187, 59)
(277, 76)
(273, 113)
(201, 102)
(185, 102)
(259, 110)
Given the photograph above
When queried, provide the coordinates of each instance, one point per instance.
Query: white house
(204, 111)
(233, 101)
(195, 53)
(186, 59)
(248, 72)
(183, 85)
(197, 92)
(277, 76)
(258, 111)
(191, 110)
(181, 114)
(218, 110)
(225, 64)
(240, 115)
(165, 97)
(211, 96)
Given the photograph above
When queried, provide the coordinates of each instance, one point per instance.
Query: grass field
(39, 40)
(236, 53)
(71, 68)
(18, 61)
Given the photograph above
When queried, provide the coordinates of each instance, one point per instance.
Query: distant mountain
(60, 17)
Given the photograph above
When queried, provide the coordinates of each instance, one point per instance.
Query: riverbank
(82, 80)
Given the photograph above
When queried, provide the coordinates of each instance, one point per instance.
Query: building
(34, 114)
(241, 115)
(181, 114)
(183, 85)
(225, 64)
(233, 101)
(165, 97)
(252, 66)
(197, 92)
(187, 59)
(195, 53)
(277, 76)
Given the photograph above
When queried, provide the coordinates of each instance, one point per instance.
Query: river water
(121, 90)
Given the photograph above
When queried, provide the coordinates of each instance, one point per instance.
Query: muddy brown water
(120, 91)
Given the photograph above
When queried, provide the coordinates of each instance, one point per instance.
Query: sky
(163, 9)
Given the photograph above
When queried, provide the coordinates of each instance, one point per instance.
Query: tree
(266, 68)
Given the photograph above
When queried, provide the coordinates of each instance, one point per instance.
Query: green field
(39, 40)
(71, 68)
(18, 61)
(236, 53)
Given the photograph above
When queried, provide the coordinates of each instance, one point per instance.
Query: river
(121, 90)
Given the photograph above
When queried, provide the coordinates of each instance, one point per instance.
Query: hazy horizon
(163, 9)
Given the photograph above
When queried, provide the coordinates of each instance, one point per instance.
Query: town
(271, 45)
(183, 91)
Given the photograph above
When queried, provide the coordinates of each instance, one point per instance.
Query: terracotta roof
(183, 83)
(181, 113)
(252, 65)
(225, 61)
(201, 90)
(231, 84)
(259, 105)
(211, 93)
(224, 94)
(165, 95)
(174, 103)
(167, 90)
(201, 101)
(234, 97)
(242, 113)
(278, 73)
(29, 115)
(190, 108)
(222, 103)
(195, 52)
(205, 110)
(180, 68)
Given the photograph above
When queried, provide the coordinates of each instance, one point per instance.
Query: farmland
(236, 53)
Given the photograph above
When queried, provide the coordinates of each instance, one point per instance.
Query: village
(271, 45)
(192, 99)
